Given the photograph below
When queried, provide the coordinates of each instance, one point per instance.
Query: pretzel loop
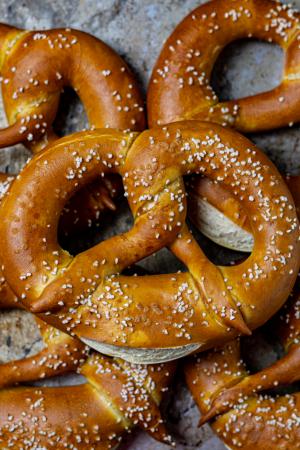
(37, 65)
(118, 314)
(180, 88)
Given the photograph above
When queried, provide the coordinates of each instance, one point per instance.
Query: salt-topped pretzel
(180, 84)
(36, 65)
(115, 397)
(222, 387)
(133, 317)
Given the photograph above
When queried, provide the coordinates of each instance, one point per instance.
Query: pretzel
(37, 65)
(115, 397)
(180, 88)
(93, 415)
(130, 316)
(222, 387)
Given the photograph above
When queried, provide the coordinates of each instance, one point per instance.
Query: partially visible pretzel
(127, 395)
(131, 316)
(222, 387)
(115, 397)
(180, 88)
(37, 65)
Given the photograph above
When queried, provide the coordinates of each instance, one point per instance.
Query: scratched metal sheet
(137, 29)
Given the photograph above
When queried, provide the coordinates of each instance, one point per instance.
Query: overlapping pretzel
(133, 317)
(115, 397)
(35, 67)
(180, 84)
(180, 89)
(225, 392)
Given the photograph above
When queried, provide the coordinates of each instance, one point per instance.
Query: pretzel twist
(180, 88)
(85, 295)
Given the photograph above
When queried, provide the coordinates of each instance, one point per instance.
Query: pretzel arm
(62, 354)
(283, 372)
(54, 360)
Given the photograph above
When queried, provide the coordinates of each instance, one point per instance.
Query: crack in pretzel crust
(86, 296)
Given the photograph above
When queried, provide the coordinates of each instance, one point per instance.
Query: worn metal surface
(137, 29)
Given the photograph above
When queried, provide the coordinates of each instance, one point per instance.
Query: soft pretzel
(115, 397)
(130, 316)
(222, 387)
(37, 65)
(180, 88)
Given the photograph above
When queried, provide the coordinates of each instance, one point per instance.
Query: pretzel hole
(247, 67)
(71, 116)
(95, 225)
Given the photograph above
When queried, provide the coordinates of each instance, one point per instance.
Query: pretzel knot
(180, 84)
(134, 317)
(35, 67)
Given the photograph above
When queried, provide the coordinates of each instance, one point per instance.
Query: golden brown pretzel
(131, 316)
(222, 387)
(37, 65)
(180, 88)
(115, 397)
